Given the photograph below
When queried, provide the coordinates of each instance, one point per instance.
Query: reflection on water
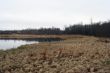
(14, 43)
(7, 44)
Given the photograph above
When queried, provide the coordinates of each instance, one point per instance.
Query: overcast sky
(22, 14)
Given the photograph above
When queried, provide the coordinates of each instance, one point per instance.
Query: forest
(94, 29)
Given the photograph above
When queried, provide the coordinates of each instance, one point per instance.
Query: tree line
(40, 31)
(95, 29)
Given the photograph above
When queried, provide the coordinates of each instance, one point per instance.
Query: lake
(14, 43)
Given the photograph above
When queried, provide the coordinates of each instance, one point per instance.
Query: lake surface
(8, 44)
(14, 43)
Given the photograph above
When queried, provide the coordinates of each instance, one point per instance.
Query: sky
(23, 14)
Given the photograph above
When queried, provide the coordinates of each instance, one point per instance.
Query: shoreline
(74, 55)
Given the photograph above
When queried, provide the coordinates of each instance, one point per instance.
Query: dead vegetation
(75, 55)
(106, 40)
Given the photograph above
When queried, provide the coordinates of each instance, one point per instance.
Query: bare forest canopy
(94, 29)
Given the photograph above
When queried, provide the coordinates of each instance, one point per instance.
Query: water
(14, 43)
(8, 44)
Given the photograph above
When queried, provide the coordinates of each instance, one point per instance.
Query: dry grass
(18, 36)
(74, 55)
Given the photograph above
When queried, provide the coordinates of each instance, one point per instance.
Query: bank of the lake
(29, 36)
(15, 40)
(81, 54)
(6, 43)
